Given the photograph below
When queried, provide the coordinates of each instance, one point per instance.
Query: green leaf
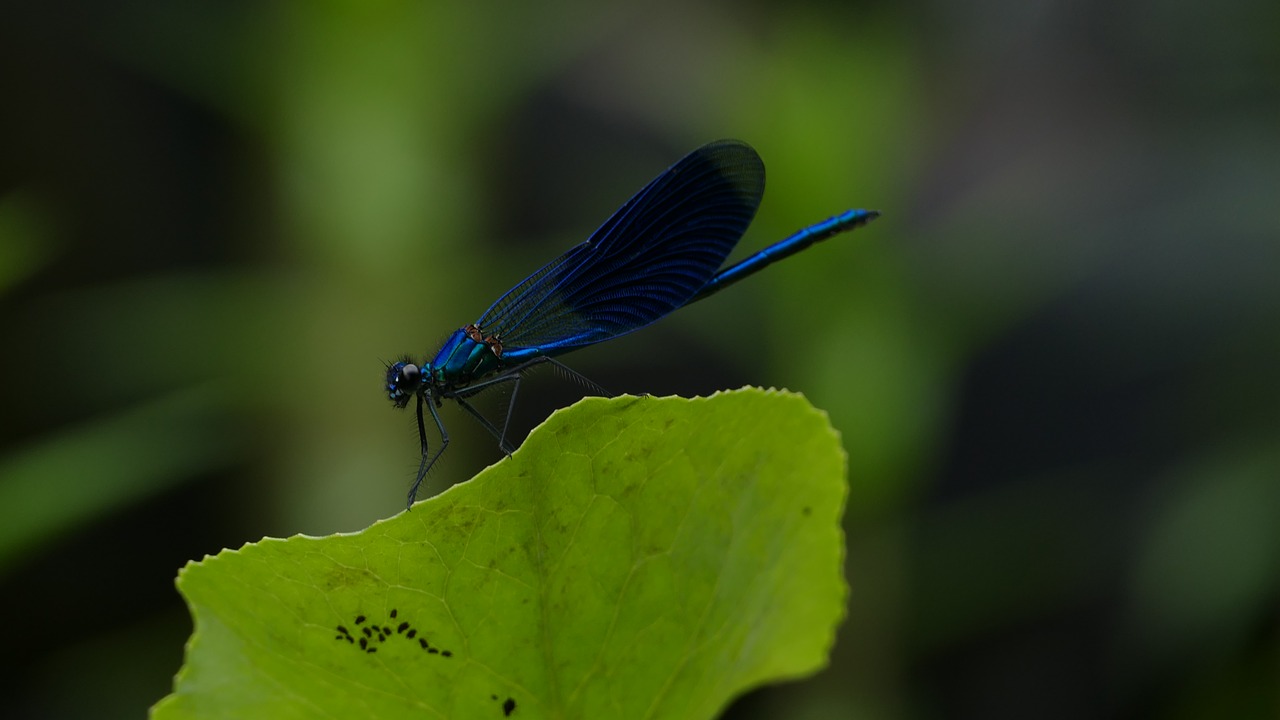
(637, 557)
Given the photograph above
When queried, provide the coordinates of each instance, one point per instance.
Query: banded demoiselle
(660, 251)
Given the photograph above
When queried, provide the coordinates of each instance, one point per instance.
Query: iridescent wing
(651, 257)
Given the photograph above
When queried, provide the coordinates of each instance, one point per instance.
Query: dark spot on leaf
(359, 619)
(364, 644)
(393, 612)
(509, 707)
(493, 697)
(343, 630)
(446, 653)
(423, 643)
(350, 639)
(403, 626)
(372, 650)
(432, 650)
(368, 632)
(386, 629)
(339, 636)
(381, 637)
(411, 633)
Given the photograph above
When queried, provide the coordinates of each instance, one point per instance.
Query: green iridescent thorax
(462, 361)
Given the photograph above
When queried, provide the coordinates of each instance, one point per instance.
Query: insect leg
(426, 463)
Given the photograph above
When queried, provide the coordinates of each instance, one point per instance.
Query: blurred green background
(1053, 360)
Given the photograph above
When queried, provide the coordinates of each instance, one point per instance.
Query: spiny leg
(515, 375)
(493, 430)
(575, 375)
(511, 406)
(425, 465)
(511, 374)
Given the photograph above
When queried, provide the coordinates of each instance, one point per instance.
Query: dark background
(1053, 360)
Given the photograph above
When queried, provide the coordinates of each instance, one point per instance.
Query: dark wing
(650, 258)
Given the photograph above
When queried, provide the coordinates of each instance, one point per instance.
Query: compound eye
(411, 373)
(403, 380)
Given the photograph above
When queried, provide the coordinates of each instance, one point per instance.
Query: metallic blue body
(662, 250)
(758, 261)
(462, 360)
